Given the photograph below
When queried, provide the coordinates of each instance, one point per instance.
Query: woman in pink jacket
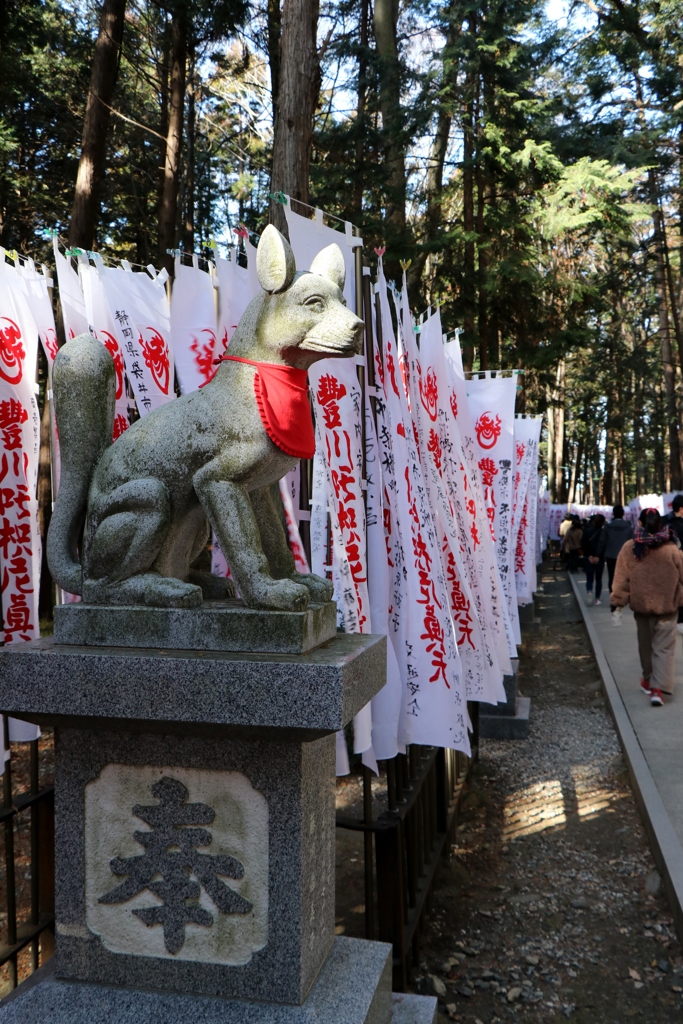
(649, 576)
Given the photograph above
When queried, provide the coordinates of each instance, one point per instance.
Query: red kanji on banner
(17, 618)
(454, 404)
(521, 448)
(120, 425)
(50, 342)
(391, 369)
(488, 470)
(434, 446)
(330, 390)
(12, 415)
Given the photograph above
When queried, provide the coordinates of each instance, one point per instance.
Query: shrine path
(651, 738)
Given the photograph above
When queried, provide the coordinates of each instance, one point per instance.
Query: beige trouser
(657, 649)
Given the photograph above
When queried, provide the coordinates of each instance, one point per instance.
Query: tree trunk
(168, 210)
(274, 23)
(105, 69)
(469, 273)
(468, 277)
(298, 89)
(386, 26)
(360, 106)
(482, 266)
(669, 366)
(576, 465)
(190, 160)
(437, 154)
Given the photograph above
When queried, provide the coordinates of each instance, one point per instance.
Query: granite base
(273, 812)
(353, 987)
(226, 625)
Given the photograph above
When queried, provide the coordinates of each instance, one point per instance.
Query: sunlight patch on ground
(533, 809)
(546, 804)
(592, 797)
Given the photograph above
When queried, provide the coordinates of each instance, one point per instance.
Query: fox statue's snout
(132, 519)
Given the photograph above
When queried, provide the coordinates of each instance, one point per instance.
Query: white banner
(104, 329)
(388, 705)
(436, 711)
(70, 296)
(492, 407)
(307, 237)
(480, 530)
(193, 326)
(525, 509)
(237, 286)
(20, 548)
(338, 410)
(141, 317)
(451, 490)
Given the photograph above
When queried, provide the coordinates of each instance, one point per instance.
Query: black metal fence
(27, 817)
(407, 841)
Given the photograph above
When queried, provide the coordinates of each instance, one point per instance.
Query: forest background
(525, 156)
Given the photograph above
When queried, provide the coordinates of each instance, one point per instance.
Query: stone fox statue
(132, 517)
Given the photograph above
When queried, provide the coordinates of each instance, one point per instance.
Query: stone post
(195, 836)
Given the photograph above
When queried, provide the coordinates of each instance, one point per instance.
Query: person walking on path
(674, 520)
(565, 525)
(611, 541)
(572, 544)
(649, 577)
(592, 562)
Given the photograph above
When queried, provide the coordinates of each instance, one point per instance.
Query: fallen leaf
(633, 974)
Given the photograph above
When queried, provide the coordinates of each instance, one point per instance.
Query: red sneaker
(656, 697)
(645, 687)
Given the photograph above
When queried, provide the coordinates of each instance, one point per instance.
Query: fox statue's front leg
(267, 505)
(230, 512)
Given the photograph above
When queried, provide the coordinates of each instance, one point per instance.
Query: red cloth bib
(283, 405)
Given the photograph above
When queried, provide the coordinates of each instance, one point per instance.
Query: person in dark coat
(612, 539)
(592, 562)
(674, 520)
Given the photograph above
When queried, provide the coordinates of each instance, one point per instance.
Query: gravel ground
(551, 907)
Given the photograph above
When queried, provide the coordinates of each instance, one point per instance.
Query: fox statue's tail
(83, 386)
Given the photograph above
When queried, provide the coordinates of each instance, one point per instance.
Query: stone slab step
(353, 987)
(225, 625)
(507, 727)
(410, 1009)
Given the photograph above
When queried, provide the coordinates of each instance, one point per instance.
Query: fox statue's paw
(320, 590)
(279, 595)
(213, 587)
(148, 588)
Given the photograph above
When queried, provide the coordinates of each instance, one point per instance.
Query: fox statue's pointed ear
(275, 264)
(330, 263)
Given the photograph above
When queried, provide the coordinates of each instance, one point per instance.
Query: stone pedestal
(508, 720)
(195, 835)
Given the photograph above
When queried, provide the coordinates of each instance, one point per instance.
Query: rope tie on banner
(380, 252)
(278, 197)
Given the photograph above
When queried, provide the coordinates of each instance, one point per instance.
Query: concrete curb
(662, 837)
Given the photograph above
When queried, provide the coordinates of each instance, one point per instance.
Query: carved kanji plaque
(176, 863)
